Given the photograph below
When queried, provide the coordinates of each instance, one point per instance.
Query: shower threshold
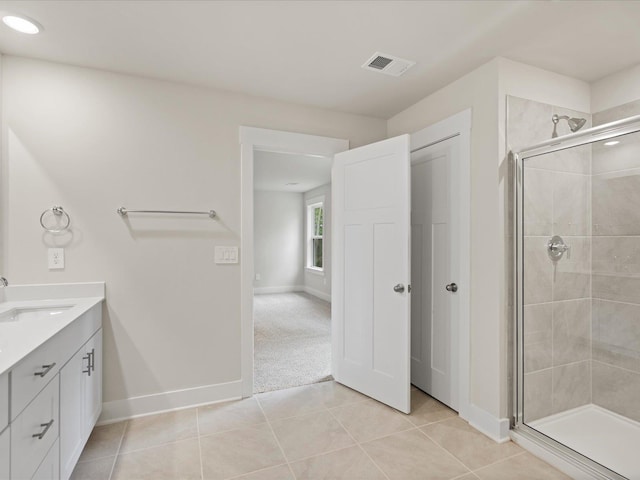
(599, 434)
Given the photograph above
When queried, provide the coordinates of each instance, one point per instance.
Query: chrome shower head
(575, 124)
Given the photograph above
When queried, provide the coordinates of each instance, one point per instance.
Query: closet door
(434, 314)
(371, 295)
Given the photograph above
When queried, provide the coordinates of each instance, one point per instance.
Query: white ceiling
(272, 172)
(310, 52)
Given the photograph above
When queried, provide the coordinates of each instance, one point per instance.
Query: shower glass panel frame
(519, 427)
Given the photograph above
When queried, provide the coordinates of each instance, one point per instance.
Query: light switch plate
(226, 254)
(56, 258)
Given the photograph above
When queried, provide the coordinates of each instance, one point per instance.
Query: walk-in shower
(577, 298)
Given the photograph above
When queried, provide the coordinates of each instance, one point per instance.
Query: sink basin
(32, 313)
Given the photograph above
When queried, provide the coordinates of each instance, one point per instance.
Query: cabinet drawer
(31, 439)
(5, 442)
(4, 400)
(34, 372)
(49, 469)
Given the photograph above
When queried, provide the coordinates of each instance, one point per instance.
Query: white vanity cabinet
(50, 466)
(4, 401)
(34, 432)
(5, 451)
(80, 401)
(53, 400)
(5, 431)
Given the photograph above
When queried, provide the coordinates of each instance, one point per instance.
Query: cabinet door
(5, 442)
(93, 384)
(72, 434)
(49, 469)
(80, 401)
(4, 400)
(34, 431)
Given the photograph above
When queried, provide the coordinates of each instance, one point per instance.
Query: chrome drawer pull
(46, 370)
(46, 426)
(87, 357)
(93, 359)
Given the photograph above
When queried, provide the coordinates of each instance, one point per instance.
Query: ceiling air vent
(388, 64)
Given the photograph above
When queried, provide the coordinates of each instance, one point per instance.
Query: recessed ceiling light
(611, 143)
(291, 184)
(22, 24)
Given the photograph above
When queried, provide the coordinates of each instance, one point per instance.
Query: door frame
(458, 125)
(260, 139)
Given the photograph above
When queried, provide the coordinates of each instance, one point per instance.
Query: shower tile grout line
(616, 366)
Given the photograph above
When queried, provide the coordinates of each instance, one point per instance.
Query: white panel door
(433, 297)
(371, 244)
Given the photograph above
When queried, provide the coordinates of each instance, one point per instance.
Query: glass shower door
(578, 276)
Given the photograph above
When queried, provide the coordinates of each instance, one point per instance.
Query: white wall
(278, 239)
(477, 90)
(92, 141)
(315, 283)
(615, 90)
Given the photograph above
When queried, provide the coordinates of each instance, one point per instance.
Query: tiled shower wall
(616, 269)
(557, 295)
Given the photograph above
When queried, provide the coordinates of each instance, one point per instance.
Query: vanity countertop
(18, 338)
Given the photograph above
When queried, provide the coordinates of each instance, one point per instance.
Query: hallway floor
(320, 431)
(292, 341)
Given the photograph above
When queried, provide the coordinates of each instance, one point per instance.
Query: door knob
(399, 288)
(452, 287)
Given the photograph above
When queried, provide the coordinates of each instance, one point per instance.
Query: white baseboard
(285, 289)
(493, 427)
(118, 410)
(292, 288)
(317, 293)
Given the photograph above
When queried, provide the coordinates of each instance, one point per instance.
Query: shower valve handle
(556, 248)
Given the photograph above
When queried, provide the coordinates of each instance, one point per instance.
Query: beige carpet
(292, 341)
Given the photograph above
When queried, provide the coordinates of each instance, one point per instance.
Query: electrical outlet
(258, 277)
(56, 258)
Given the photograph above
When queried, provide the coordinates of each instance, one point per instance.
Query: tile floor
(321, 431)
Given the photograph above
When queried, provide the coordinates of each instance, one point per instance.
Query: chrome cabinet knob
(399, 288)
(452, 287)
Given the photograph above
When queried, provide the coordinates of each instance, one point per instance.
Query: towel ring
(58, 211)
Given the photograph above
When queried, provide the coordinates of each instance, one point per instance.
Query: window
(315, 236)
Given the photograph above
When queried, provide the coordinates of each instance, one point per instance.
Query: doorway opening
(292, 265)
(286, 326)
(371, 259)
